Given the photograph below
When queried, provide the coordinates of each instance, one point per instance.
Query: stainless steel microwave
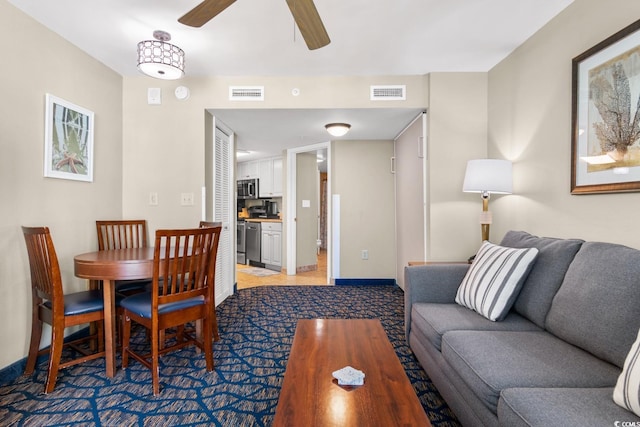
(248, 188)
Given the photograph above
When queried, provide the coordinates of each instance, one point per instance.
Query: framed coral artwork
(68, 145)
(605, 154)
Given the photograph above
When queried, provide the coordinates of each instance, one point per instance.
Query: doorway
(304, 226)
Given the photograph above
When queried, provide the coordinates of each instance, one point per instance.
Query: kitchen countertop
(263, 220)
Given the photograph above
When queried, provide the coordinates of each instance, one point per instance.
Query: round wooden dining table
(109, 266)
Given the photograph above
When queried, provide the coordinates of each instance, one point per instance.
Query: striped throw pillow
(494, 280)
(627, 390)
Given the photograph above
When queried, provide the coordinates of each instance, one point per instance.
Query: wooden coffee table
(310, 396)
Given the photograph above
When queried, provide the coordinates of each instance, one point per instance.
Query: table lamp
(487, 176)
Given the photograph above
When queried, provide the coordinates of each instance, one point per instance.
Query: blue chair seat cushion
(140, 304)
(82, 302)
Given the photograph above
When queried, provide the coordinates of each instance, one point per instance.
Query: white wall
(361, 175)
(530, 123)
(457, 132)
(37, 62)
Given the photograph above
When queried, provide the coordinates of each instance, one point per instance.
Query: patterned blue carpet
(256, 329)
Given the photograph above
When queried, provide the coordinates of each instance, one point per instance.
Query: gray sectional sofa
(555, 358)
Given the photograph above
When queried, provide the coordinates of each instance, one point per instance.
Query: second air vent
(388, 93)
(246, 93)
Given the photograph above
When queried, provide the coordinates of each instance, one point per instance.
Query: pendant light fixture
(337, 129)
(159, 59)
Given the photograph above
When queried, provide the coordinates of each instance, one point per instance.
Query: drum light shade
(159, 59)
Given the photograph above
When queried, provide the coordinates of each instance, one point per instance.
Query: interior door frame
(292, 205)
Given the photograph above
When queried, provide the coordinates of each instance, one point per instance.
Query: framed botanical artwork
(68, 140)
(605, 155)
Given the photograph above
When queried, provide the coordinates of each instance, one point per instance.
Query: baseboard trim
(12, 372)
(15, 370)
(375, 282)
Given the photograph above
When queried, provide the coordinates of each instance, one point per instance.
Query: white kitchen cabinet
(270, 174)
(268, 171)
(248, 170)
(277, 176)
(271, 245)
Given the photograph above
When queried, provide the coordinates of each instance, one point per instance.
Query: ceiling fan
(304, 14)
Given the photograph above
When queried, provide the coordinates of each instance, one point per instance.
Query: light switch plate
(154, 96)
(306, 203)
(186, 199)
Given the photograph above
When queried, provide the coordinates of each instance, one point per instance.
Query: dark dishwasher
(253, 243)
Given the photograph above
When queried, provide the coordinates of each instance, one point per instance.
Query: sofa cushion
(490, 362)
(433, 320)
(493, 281)
(530, 407)
(627, 391)
(597, 307)
(546, 275)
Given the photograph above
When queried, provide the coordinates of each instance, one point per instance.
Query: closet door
(410, 175)
(223, 211)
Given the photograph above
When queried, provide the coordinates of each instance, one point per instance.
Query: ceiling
(258, 38)
(267, 132)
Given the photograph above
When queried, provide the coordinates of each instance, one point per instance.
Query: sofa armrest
(436, 283)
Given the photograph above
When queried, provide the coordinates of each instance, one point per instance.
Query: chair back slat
(210, 224)
(184, 264)
(46, 280)
(121, 234)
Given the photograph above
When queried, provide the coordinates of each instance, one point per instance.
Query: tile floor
(318, 277)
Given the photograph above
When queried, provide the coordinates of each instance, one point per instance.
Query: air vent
(388, 93)
(246, 93)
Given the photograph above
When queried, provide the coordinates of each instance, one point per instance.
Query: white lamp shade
(488, 175)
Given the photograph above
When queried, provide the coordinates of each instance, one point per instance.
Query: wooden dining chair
(61, 311)
(124, 234)
(184, 262)
(216, 333)
(198, 330)
(210, 224)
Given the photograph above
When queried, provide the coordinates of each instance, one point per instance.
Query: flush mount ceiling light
(337, 129)
(159, 59)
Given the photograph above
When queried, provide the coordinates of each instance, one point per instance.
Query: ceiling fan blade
(204, 12)
(308, 21)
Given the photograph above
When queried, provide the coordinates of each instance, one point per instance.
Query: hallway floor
(318, 277)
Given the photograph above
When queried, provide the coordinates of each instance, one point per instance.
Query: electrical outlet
(186, 199)
(153, 199)
(365, 254)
